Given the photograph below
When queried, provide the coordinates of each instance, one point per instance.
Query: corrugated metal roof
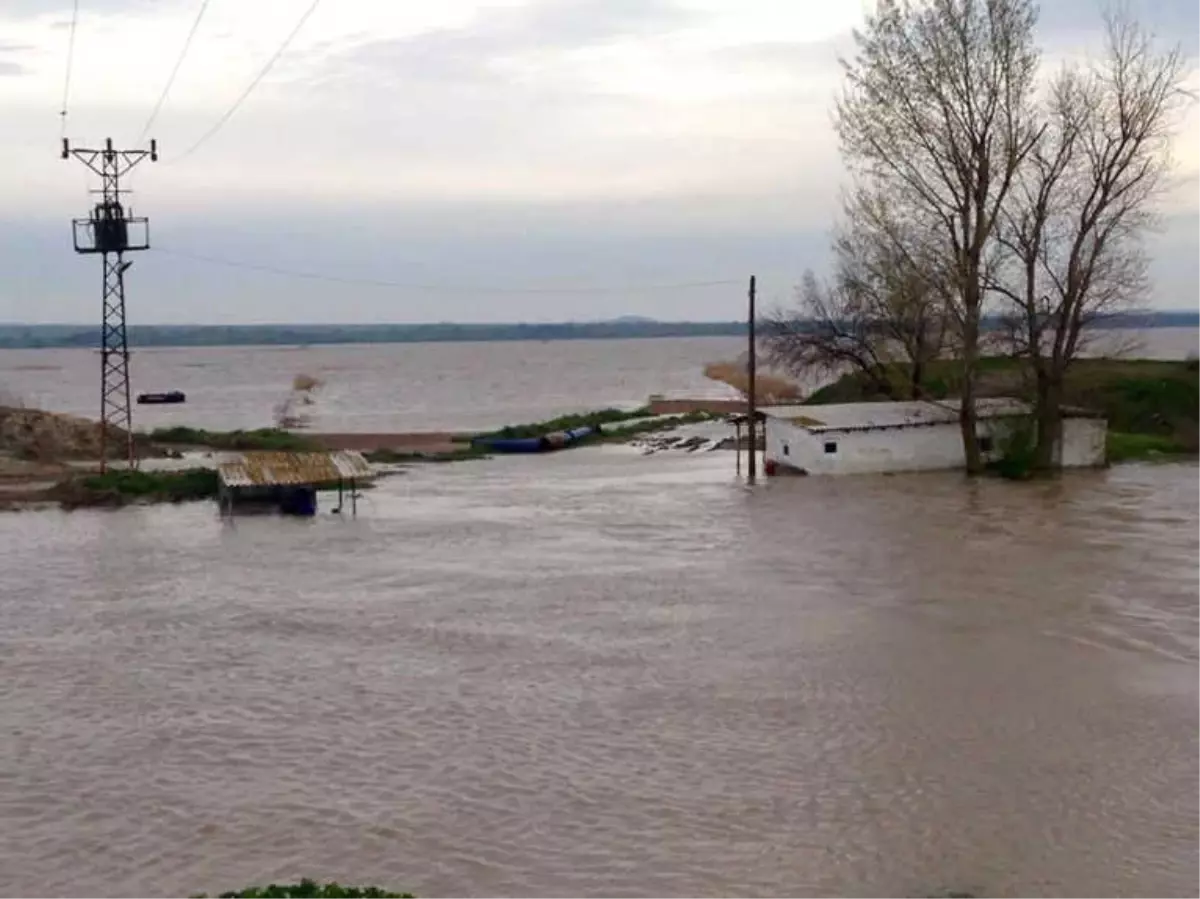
(866, 416)
(264, 469)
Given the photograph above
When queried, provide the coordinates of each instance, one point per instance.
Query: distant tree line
(82, 336)
(295, 335)
(991, 209)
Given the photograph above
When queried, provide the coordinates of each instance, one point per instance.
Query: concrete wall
(926, 448)
(1083, 443)
(929, 448)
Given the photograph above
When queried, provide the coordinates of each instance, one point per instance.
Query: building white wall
(924, 448)
(1083, 443)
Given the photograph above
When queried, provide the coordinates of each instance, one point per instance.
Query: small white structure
(861, 438)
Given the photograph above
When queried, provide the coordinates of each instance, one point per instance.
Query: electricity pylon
(111, 232)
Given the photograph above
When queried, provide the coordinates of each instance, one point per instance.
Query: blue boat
(544, 443)
(511, 444)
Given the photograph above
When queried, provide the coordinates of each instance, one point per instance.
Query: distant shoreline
(18, 336)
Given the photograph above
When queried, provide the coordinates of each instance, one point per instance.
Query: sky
(519, 160)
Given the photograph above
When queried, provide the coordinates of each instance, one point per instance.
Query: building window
(785, 450)
(830, 447)
(985, 444)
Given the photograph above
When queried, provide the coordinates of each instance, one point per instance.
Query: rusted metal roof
(264, 469)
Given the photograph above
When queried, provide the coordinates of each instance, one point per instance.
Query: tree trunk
(967, 420)
(918, 376)
(1048, 416)
(967, 417)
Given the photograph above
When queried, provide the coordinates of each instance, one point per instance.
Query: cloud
(508, 143)
(488, 246)
(10, 67)
(30, 9)
(479, 51)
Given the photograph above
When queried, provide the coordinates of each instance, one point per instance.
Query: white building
(860, 438)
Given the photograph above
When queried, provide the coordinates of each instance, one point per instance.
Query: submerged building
(289, 482)
(863, 438)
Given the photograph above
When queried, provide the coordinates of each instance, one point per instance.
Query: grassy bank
(270, 439)
(274, 439)
(598, 418)
(120, 488)
(648, 427)
(1152, 406)
(386, 456)
(1124, 447)
(601, 418)
(309, 889)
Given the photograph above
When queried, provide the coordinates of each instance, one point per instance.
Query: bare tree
(881, 314)
(887, 261)
(829, 332)
(1083, 200)
(937, 112)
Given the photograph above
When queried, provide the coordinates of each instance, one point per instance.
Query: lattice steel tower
(110, 231)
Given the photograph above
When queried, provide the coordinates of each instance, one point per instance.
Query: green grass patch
(1124, 447)
(651, 426)
(597, 418)
(121, 487)
(308, 889)
(388, 456)
(270, 439)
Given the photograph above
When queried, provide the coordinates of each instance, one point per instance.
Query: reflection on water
(602, 674)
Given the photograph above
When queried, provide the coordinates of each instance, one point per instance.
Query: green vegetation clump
(656, 424)
(309, 889)
(1123, 447)
(1017, 451)
(385, 456)
(271, 439)
(121, 487)
(567, 423)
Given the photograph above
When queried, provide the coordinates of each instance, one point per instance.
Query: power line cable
(174, 71)
(446, 288)
(70, 62)
(252, 85)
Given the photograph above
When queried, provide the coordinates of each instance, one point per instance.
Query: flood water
(379, 388)
(419, 386)
(599, 673)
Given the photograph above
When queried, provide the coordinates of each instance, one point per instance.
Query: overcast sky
(467, 150)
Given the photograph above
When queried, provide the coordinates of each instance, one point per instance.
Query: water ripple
(609, 675)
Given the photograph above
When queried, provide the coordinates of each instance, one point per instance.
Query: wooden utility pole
(752, 418)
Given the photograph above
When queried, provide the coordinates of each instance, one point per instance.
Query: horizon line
(622, 320)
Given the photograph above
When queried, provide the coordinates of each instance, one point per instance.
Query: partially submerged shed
(853, 438)
(289, 481)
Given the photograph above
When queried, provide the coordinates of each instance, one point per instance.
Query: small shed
(288, 482)
(861, 438)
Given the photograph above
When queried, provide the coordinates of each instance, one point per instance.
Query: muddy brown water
(605, 674)
(393, 388)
